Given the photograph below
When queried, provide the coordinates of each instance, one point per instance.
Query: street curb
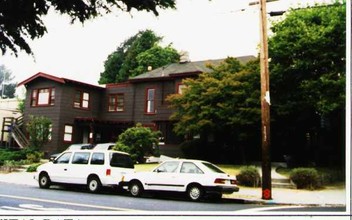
(260, 202)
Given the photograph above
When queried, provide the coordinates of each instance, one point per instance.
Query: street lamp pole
(265, 103)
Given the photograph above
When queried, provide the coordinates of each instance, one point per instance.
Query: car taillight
(220, 181)
(233, 182)
(108, 172)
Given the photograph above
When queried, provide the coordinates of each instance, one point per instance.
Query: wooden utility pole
(265, 103)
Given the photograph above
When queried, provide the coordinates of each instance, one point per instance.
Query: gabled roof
(56, 79)
(182, 69)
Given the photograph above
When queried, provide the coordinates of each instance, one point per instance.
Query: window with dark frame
(81, 99)
(43, 97)
(150, 101)
(116, 103)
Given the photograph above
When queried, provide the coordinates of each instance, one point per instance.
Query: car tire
(44, 181)
(195, 192)
(136, 188)
(93, 184)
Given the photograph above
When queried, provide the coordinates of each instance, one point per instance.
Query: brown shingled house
(84, 113)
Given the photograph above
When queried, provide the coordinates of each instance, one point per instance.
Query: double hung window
(81, 100)
(116, 103)
(150, 101)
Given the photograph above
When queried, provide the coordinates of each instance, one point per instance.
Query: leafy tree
(22, 19)
(138, 141)
(5, 83)
(224, 103)
(307, 51)
(39, 130)
(131, 57)
(155, 57)
(223, 98)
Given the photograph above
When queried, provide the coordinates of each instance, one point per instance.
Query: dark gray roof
(184, 68)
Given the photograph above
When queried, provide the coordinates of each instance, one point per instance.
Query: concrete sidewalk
(326, 197)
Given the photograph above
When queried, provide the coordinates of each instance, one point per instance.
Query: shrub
(32, 168)
(6, 154)
(138, 141)
(248, 176)
(34, 157)
(305, 178)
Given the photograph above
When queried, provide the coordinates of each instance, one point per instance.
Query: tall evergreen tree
(134, 56)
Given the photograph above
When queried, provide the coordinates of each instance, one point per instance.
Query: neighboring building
(8, 112)
(83, 113)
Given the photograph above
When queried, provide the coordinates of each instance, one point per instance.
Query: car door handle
(65, 169)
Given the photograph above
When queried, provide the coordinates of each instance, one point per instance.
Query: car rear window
(213, 168)
(121, 160)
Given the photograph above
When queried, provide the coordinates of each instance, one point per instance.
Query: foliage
(326, 175)
(34, 157)
(21, 105)
(248, 176)
(307, 52)
(22, 20)
(222, 104)
(16, 155)
(155, 57)
(305, 178)
(138, 141)
(5, 83)
(134, 56)
(224, 98)
(307, 83)
(192, 149)
(39, 130)
(33, 167)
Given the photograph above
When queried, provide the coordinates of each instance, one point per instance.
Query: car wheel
(94, 184)
(44, 181)
(136, 188)
(195, 192)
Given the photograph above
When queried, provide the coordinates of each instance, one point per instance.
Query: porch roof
(96, 120)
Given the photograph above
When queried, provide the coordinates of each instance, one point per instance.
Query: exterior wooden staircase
(14, 127)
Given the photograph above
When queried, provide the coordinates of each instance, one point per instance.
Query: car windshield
(213, 168)
(121, 160)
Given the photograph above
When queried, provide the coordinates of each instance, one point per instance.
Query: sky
(205, 29)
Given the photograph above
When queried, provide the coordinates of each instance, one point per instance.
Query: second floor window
(150, 101)
(43, 97)
(81, 99)
(116, 103)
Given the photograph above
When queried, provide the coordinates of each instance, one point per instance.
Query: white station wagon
(195, 177)
(94, 168)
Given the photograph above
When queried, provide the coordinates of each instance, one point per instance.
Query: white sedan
(195, 177)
